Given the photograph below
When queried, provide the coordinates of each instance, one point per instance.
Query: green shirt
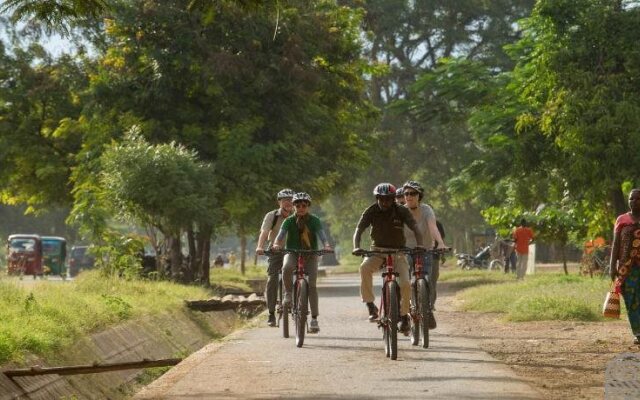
(293, 234)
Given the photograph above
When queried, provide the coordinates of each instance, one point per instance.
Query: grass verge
(48, 316)
(545, 296)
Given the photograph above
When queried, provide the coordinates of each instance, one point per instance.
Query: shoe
(373, 312)
(405, 328)
(313, 326)
(636, 340)
(286, 299)
(272, 320)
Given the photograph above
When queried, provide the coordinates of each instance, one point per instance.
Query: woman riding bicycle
(426, 220)
(302, 230)
(386, 219)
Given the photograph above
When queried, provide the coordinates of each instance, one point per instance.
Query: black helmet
(301, 196)
(384, 189)
(415, 186)
(285, 193)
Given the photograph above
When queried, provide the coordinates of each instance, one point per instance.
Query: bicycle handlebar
(300, 251)
(405, 250)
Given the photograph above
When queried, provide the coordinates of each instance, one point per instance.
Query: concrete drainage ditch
(160, 337)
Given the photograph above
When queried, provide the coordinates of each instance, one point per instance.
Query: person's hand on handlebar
(276, 248)
(357, 252)
(327, 247)
(260, 251)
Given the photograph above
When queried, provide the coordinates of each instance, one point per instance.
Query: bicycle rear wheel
(415, 315)
(394, 316)
(301, 310)
(279, 308)
(424, 310)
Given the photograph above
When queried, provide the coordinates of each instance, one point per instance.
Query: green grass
(232, 278)
(545, 296)
(45, 318)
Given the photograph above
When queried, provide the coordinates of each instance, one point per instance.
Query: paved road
(344, 361)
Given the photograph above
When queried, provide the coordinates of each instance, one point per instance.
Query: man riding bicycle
(386, 219)
(302, 230)
(270, 227)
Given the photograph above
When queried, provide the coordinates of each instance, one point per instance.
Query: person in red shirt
(522, 235)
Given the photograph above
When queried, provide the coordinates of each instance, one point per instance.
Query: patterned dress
(628, 281)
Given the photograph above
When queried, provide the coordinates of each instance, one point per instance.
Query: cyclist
(270, 227)
(302, 231)
(386, 218)
(426, 220)
(400, 196)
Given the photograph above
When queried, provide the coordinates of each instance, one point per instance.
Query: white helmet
(285, 193)
(301, 196)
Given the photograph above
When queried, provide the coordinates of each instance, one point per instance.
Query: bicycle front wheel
(424, 310)
(394, 316)
(302, 309)
(285, 317)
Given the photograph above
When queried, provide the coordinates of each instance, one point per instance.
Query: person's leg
(271, 292)
(402, 268)
(631, 296)
(522, 265)
(433, 281)
(289, 265)
(311, 268)
(367, 268)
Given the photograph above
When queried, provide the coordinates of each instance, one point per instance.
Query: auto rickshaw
(24, 255)
(54, 250)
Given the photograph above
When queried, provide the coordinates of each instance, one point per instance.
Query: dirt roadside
(564, 360)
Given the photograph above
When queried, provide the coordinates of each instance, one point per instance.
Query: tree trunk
(204, 250)
(176, 257)
(193, 257)
(563, 252)
(243, 252)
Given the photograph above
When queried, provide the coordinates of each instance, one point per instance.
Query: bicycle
(300, 307)
(389, 301)
(421, 311)
(596, 262)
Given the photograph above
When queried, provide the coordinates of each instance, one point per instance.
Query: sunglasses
(410, 193)
(301, 205)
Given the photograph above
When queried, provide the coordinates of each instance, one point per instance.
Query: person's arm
(411, 224)
(279, 240)
(363, 223)
(615, 254)
(261, 239)
(264, 232)
(435, 233)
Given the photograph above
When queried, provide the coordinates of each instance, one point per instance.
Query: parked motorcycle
(482, 260)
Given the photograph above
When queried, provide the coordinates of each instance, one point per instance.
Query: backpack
(440, 228)
(275, 218)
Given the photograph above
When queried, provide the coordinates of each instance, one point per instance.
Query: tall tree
(273, 96)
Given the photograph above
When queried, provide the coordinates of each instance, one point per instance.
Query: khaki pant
(311, 269)
(371, 265)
